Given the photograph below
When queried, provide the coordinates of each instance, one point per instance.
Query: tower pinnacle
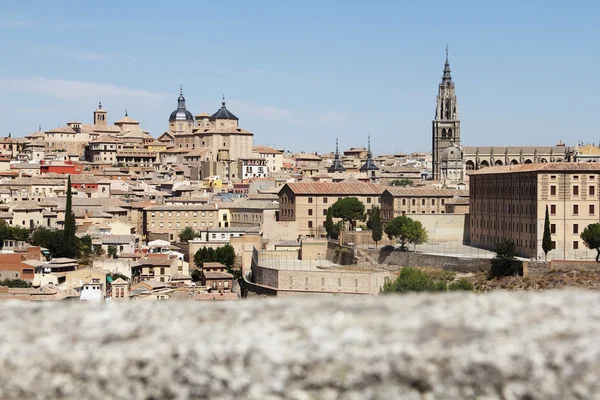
(447, 78)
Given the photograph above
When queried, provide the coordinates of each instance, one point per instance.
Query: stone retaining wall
(411, 259)
(537, 346)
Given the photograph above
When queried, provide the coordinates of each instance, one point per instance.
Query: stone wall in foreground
(503, 345)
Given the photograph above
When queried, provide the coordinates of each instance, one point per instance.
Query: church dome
(181, 114)
(452, 153)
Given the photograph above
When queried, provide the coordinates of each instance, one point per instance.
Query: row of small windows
(210, 214)
(574, 190)
(178, 224)
(591, 209)
(423, 202)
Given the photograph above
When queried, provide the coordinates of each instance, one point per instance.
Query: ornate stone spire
(337, 165)
(369, 165)
(447, 78)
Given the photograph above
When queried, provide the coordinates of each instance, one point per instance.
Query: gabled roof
(341, 188)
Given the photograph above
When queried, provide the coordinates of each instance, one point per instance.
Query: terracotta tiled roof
(335, 188)
(266, 150)
(540, 167)
(424, 191)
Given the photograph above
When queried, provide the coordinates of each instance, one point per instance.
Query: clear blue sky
(298, 75)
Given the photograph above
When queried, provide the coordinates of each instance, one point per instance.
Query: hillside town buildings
(134, 194)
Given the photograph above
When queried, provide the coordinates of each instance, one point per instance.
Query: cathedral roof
(181, 113)
(223, 112)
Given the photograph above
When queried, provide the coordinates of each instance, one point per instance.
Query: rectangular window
(324, 211)
(576, 190)
(368, 200)
(575, 244)
(575, 177)
(592, 209)
(403, 202)
(310, 225)
(414, 202)
(552, 209)
(575, 209)
(592, 190)
(310, 211)
(310, 200)
(324, 200)
(552, 228)
(575, 228)
(553, 190)
(422, 202)
(553, 245)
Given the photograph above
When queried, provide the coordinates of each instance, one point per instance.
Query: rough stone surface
(452, 346)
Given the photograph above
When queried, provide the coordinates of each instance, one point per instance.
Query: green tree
(117, 275)
(70, 249)
(15, 283)
(330, 227)
(87, 247)
(187, 234)
(376, 225)
(112, 251)
(591, 238)
(546, 238)
(223, 254)
(505, 262)
(349, 209)
(401, 182)
(395, 230)
(414, 232)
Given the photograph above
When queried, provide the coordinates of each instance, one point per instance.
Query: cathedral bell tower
(446, 125)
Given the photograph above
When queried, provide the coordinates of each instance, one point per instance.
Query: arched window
(450, 133)
(470, 165)
(444, 133)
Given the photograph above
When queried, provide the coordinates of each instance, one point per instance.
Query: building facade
(399, 201)
(307, 203)
(509, 202)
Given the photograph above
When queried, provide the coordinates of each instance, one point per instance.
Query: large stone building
(218, 132)
(509, 202)
(446, 125)
(307, 203)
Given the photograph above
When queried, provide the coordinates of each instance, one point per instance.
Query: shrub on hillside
(416, 280)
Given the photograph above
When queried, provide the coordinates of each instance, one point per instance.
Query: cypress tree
(547, 238)
(69, 229)
(376, 226)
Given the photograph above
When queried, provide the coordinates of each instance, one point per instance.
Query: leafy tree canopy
(187, 234)
(591, 238)
(504, 262)
(401, 182)
(349, 209)
(405, 230)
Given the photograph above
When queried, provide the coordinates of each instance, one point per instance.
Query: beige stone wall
(444, 227)
(333, 281)
(313, 249)
(274, 231)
